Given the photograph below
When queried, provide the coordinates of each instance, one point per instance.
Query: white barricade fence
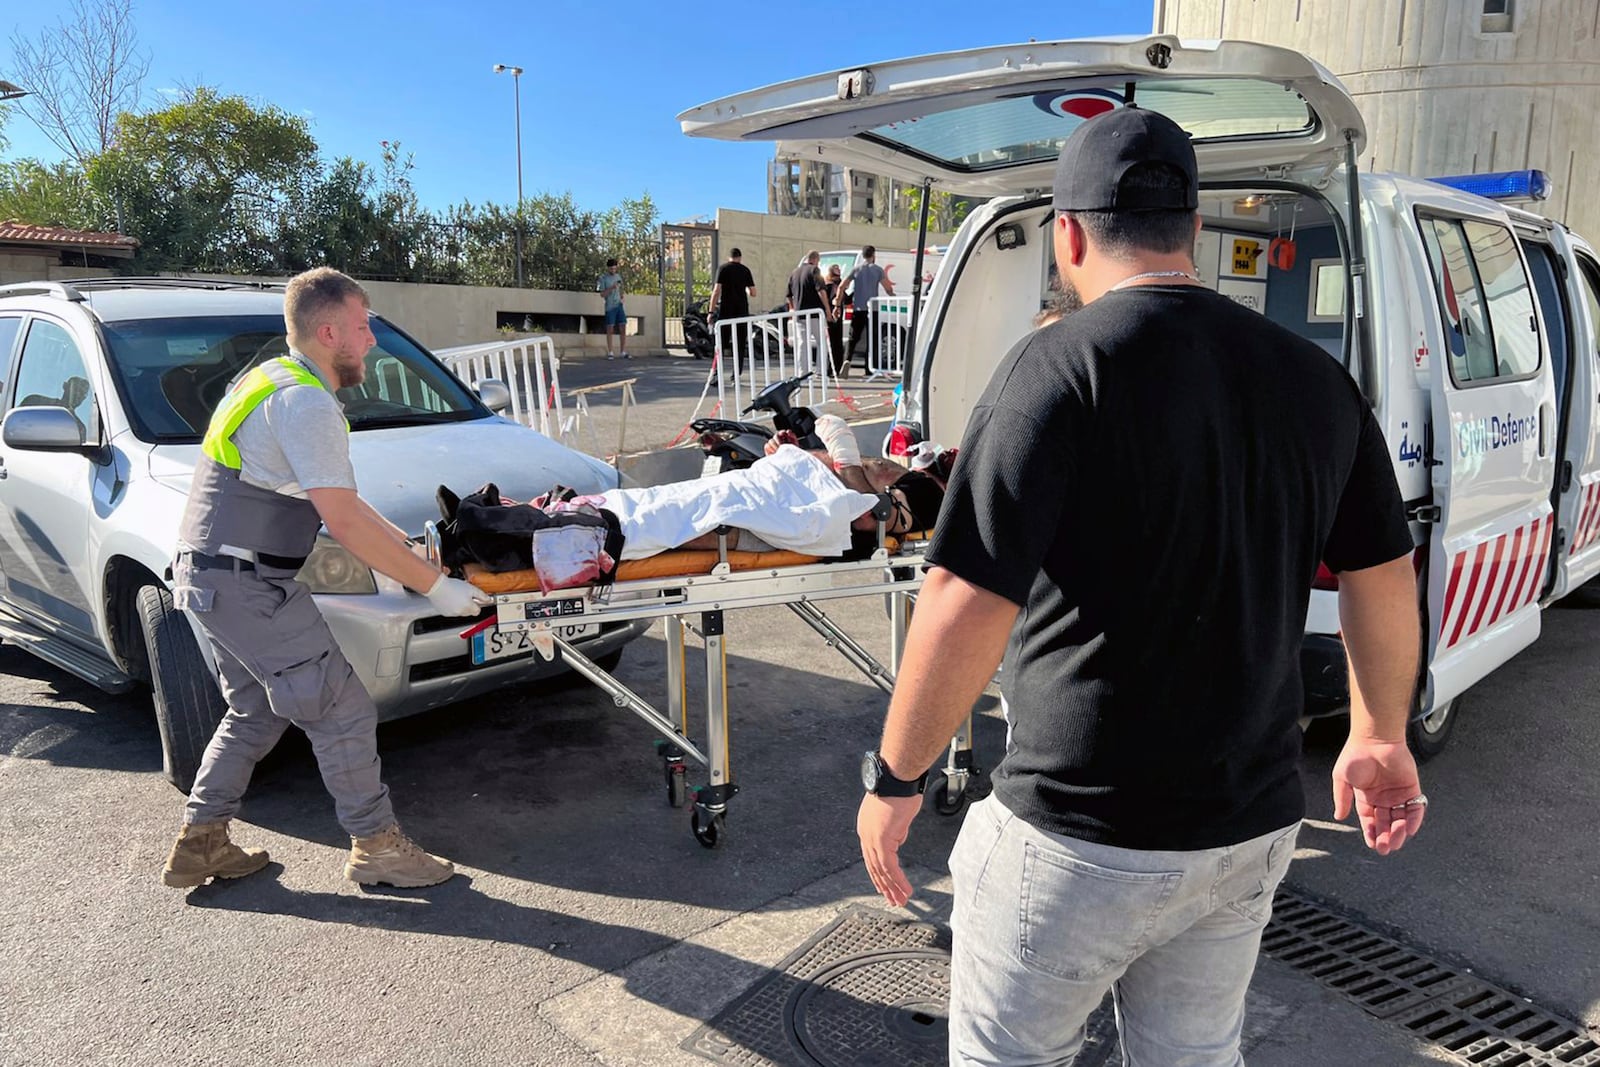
(889, 336)
(755, 351)
(531, 371)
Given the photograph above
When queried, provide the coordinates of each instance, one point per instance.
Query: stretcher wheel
(707, 828)
(677, 783)
(945, 802)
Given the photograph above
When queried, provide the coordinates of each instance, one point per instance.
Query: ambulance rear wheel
(1429, 735)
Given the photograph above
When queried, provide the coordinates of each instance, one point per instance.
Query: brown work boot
(203, 851)
(389, 857)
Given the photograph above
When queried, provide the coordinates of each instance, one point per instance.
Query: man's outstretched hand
(1379, 779)
(882, 824)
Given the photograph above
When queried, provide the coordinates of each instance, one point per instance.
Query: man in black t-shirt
(807, 291)
(1143, 495)
(730, 299)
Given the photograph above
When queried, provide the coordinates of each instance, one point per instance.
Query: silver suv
(107, 388)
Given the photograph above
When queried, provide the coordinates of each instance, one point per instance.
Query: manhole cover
(867, 990)
(881, 1009)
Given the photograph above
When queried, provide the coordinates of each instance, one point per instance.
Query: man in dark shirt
(1144, 493)
(730, 299)
(807, 291)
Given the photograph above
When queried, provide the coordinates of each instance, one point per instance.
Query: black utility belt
(206, 562)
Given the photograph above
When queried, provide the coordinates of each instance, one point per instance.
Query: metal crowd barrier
(886, 341)
(755, 351)
(530, 369)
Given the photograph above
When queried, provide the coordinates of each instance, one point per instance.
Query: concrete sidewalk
(642, 1015)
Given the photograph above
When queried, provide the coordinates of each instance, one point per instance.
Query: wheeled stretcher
(706, 586)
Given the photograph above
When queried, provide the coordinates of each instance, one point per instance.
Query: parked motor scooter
(697, 337)
(730, 444)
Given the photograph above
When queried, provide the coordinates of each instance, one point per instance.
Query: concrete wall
(773, 244)
(1442, 90)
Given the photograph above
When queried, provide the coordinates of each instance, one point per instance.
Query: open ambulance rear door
(991, 121)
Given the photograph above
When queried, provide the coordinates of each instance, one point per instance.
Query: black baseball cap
(1099, 154)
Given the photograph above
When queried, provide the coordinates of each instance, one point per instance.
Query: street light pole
(516, 93)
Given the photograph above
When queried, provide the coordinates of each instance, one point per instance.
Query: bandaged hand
(839, 440)
(452, 596)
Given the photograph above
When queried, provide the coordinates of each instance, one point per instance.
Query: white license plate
(490, 645)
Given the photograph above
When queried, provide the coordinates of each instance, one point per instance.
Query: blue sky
(600, 89)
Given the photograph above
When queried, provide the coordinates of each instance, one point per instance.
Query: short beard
(1065, 299)
(349, 374)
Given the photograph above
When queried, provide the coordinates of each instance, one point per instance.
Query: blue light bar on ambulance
(1505, 185)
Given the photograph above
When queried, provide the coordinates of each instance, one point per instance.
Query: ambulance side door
(1580, 503)
(1493, 447)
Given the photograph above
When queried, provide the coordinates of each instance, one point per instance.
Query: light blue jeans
(1045, 924)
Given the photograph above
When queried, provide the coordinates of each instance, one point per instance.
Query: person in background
(808, 291)
(730, 299)
(610, 287)
(867, 278)
(835, 320)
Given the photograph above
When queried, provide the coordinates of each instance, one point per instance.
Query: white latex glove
(452, 596)
(839, 440)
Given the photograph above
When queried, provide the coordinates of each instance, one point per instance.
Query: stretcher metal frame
(676, 599)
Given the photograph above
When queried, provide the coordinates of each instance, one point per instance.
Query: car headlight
(331, 568)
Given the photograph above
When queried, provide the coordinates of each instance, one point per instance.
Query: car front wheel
(188, 703)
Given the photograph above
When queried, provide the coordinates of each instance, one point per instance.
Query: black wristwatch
(877, 780)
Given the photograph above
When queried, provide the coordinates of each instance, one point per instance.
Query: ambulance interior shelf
(693, 591)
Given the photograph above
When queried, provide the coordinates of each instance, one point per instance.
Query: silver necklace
(1124, 283)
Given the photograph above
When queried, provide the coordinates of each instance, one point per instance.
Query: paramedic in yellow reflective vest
(274, 468)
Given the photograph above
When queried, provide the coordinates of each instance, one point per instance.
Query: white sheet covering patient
(789, 500)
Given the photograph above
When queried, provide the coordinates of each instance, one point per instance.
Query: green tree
(191, 180)
(50, 194)
(945, 210)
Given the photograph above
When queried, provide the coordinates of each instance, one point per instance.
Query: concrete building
(808, 189)
(1447, 86)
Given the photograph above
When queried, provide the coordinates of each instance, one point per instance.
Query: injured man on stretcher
(818, 504)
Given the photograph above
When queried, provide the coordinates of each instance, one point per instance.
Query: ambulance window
(1505, 281)
(1591, 297)
(1553, 306)
(1466, 324)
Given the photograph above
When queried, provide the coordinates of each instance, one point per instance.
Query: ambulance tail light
(1325, 579)
(903, 437)
(1502, 185)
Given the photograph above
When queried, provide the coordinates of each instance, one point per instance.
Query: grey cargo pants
(278, 663)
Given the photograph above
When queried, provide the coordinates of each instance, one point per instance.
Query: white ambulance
(1469, 325)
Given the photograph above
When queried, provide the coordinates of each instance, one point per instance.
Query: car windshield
(172, 373)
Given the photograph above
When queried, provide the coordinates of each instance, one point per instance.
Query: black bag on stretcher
(566, 539)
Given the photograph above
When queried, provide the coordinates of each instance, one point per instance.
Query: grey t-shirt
(614, 296)
(295, 441)
(869, 276)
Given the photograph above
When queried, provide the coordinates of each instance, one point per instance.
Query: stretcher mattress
(671, 564)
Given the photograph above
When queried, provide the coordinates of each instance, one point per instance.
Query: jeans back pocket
(1080, 920)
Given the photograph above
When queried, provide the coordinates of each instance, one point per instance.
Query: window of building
(1497, 16)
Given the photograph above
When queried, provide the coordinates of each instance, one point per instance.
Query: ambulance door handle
(1546, 416)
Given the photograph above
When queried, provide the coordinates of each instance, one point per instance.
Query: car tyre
(1428, 736)
(187, 701)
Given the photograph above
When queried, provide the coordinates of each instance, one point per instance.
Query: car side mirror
(46, 429)
(494, 393)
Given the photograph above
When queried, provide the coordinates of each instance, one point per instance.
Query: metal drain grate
(1480, 1023)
